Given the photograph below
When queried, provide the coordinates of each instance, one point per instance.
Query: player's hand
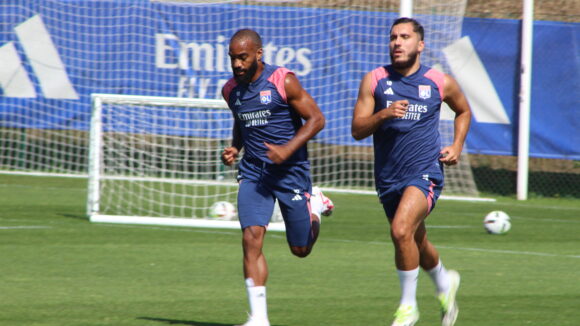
(397, 109)
(229, 155)
(277, 153)
(450, 155)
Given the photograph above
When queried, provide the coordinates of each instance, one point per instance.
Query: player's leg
(255, 205)
(292, 187)
(430, 261)
(302, 225)
(320, 205)
(428, 255)
(255, 266)
(256, 275)
(410, 213)
(446, 282)
(411, 210)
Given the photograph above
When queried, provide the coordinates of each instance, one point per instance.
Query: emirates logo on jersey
(424, 91)
(265, 97)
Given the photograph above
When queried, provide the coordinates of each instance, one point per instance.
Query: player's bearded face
(245, 74)
(404, 61)
(405, 46)
(245, 57)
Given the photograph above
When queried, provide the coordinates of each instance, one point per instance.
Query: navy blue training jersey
(409, 145)
(262, 114)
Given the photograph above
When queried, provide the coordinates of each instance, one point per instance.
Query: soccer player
(268, 104)
(399, 105)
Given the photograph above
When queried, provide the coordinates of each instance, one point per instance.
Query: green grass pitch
(58, 269)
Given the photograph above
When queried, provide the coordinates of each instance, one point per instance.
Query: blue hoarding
(144, 48)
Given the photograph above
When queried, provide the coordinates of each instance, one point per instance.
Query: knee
(300, 252)
(252, 238)
(401, 233)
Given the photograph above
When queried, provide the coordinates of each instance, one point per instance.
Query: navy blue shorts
(430, 184)
(261, 184)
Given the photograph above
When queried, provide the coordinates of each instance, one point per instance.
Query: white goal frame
(96, 159)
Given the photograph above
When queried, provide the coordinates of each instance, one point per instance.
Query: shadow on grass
(74, 216)
(183, 322)
(186, 322)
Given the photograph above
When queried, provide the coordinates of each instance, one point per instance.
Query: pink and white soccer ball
(223, 210)
(497, 222)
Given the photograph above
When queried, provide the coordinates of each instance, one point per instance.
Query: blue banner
(143, 48)
(555, 92)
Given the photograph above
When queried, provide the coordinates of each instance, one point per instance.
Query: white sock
(316, 206)
(440, 278)
(408, 280)
(257, 299)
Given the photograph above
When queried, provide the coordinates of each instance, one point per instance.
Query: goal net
(59, 52)
(156, 160)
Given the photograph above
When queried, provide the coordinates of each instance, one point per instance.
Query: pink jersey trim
(227, 89)
(277, 78)
(376, 75)
(430, 196)
(438, 78)
(307, 195)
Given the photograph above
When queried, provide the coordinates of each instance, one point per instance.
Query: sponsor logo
(238, 102)
(171, 52)
(44, 61)
(255, 118)
(425, 91)
(389, 91)
(191, 57)
(414, 110)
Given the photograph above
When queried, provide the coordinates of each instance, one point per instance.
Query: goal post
(156, 161)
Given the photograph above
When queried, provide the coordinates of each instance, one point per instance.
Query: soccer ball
(223, 210)
(497, 222)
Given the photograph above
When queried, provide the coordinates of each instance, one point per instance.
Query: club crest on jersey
(265, 97)
(424, 91)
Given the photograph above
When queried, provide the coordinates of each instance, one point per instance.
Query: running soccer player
(268, 104)
(399, 105)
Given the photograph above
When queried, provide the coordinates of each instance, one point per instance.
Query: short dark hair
(247, 33)
(417, 28)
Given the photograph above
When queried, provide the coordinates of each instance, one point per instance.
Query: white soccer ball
(223, 210)
(497, 222)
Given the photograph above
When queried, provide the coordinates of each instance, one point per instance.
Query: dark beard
(247, 77)
(406, 64)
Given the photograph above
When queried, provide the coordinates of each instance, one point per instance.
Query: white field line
(511, 252)
(19, 186)
(272, 234)
(524, 204)
(20, 227)
(498, 251)
(545, 219)
(280, 236)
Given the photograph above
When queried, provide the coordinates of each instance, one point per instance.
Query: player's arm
(456, 100)
(230, 153)
(364, 121)
(308, 110)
